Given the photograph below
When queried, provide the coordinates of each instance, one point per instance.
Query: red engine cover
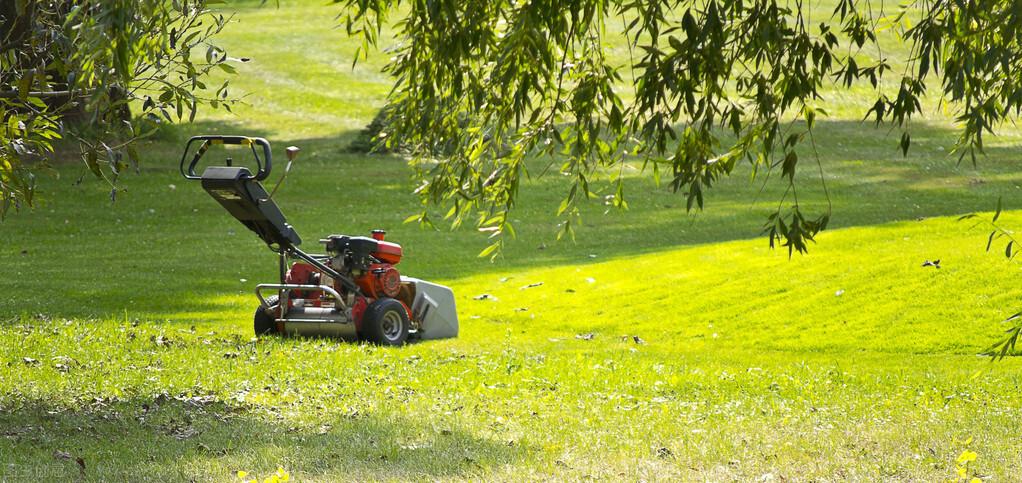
(382, 280)
(388, 252)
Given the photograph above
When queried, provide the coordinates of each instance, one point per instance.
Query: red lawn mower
(353, 291)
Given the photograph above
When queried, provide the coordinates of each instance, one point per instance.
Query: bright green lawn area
(125, 336)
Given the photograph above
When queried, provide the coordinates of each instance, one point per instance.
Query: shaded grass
(141, 360)
(497, 405)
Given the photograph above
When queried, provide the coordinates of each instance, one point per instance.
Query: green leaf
(92, 162)
(121, 59)
(24, 87)
(789, 164)
(997, 212)
(510, 230)
(490, 250)
(133, 156)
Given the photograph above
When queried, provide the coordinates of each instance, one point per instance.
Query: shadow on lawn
(188, 439)
(165, 246)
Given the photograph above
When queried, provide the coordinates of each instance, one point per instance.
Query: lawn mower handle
(264, 166)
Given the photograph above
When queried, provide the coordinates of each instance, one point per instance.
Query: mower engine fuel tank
(433, 307)
(360, 247)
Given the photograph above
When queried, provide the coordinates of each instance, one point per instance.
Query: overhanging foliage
(76, 69)
(481, 86)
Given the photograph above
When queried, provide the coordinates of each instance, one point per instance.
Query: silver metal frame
(288, 287)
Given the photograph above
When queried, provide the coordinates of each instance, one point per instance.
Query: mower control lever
(292, 153)
(264, 165)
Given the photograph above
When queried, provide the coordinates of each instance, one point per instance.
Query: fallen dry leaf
(160, 340)
(184, 433)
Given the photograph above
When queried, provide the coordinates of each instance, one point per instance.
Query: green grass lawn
(660, 346)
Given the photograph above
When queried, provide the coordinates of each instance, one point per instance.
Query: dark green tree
(77, 68)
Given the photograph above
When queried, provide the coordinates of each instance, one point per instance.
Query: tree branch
(44, 94)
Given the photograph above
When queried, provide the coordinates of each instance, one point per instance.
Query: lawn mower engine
(353, 291)
(386, 308)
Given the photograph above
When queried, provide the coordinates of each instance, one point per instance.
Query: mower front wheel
(264, 322)
(385, 322)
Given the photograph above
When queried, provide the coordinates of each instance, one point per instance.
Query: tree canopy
(481, 87)
(75, 69)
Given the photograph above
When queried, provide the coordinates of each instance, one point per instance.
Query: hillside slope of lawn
(660, 345)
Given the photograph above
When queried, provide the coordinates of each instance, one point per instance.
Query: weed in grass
(280, 476)
(964, 471)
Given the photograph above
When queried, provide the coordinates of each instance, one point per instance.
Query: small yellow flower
(242, 474)
(967, 457)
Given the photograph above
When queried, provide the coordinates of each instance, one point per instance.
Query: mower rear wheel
(385, 322)
(264, 323)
